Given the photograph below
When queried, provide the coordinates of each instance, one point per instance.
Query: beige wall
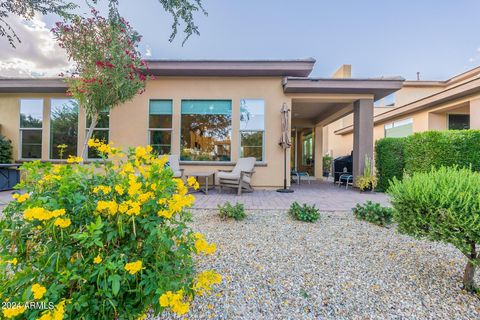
(129, 122)
(409, 94)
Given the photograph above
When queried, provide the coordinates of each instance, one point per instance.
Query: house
(453, 104)
(209, 112)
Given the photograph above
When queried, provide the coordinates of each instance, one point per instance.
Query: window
(206, 130)
(100, 132)
(252, 128)
(307, 149)
(399, 129)
(31, 123)
(160, 125)
(63, 128)
(458, 121)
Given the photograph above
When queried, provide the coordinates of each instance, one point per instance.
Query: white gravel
(337, 268)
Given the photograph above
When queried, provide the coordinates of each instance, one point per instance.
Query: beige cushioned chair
(174, 162)
(238, 178)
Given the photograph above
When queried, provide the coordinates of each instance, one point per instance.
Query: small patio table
(205, 175)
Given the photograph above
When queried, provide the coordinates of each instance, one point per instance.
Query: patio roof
(378, 87)
(32, 85)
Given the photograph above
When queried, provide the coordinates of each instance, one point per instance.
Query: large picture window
(63, 128)
(252, 128)
(206, 130)
(160, 125)
(399, 129)
(101, 131)
(458, 121)
(31, 124)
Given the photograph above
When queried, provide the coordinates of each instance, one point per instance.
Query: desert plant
(327, 165)
(441, 205)
(305, 212)
(227, 210)
(367, 181)
(101, 241)
(5, 150)
(374, 213)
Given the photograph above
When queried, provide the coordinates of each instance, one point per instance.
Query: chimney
(345, 71)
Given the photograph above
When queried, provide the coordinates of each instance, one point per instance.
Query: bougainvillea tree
(108, 69)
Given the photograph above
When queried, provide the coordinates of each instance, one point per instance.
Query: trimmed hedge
(424, 150)
(389, 161)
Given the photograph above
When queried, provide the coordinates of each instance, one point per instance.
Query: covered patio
(315, 103)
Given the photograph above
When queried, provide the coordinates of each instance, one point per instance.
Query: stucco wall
(129, 122)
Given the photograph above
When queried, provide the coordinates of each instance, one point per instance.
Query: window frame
(240, 130)
(97, 129)
(21, 130)
(396, 124)
(231, 131)
(50, 129)
(150, 130)
(457, 114)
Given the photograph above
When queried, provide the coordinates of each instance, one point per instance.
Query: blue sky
(378, 37)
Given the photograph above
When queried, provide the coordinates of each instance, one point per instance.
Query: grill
(339, 165)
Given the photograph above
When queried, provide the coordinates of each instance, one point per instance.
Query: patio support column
(317, 150)
(475, 114)
(362, 134)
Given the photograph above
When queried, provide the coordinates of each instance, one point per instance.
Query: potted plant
(327, 165)
(367, 181)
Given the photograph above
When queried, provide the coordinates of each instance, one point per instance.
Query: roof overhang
(231, 68)
(379, 88)
(33, 85)
(462, 90)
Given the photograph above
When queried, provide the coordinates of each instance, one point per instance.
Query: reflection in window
(399, 129)
(160, 125)
(31, 122)
(458, 121)
(307, 149)
(101, 131)
(206, 130)
(63, 128)
(252, 128)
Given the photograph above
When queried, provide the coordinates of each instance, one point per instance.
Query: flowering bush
(101, 241)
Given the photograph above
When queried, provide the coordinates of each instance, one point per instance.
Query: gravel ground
(337, 268)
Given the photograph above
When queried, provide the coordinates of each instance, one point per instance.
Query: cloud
(148, 51)
(37, 55)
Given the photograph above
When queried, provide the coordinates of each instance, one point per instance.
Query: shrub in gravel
(374, 213)
(304, 212)
(442, 205)
(228, 210)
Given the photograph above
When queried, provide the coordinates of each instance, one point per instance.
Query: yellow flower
(38, 291)
(134, 267)
(56, 314)
(165, 213)
(72, 159)
(119, 189)
(14, 261)
(62, 223)
(192, 182)
(97, 259)
(109, 207)
(104, 189)
(202, 246)
(123, 207)
(41, 214)
(21, 198)
(174, 301)
(142, 317)
(205, 280)
(13, 311)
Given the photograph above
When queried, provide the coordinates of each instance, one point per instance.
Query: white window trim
(50, 128)
(20, 149)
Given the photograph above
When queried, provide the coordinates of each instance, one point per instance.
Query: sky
(438, 38)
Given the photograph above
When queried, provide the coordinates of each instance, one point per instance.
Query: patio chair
(345, 178)
(239, 178)
(297, 176)
(174, 164)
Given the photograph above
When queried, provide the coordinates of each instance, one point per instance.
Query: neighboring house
(419, 106)
(211, 113)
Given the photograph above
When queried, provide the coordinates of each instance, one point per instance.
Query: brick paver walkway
(324, 195)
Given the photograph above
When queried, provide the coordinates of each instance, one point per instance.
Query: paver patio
(325, 195)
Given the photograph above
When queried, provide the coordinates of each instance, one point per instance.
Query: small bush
(374, 213)
(389, 161)
(228, 210)
(305, 213)
(441, 205)
(5, 150)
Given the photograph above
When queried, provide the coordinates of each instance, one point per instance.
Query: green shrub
(441, 205)
(101, 241)
(5, 150)
(374, 213)
(305, 212)
(389, 161)
(228, 210)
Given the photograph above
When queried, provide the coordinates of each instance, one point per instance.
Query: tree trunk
(89, 136)
(468, 276)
